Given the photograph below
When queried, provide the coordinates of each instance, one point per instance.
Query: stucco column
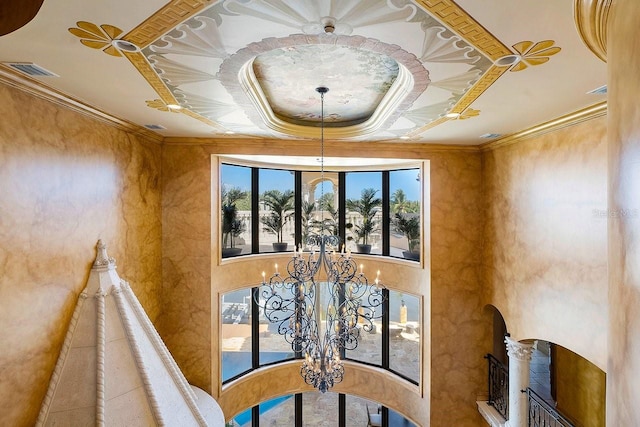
(519, 361)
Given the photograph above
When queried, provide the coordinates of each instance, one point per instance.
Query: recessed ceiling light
(508, 60)
(452, 115)
(124, 46)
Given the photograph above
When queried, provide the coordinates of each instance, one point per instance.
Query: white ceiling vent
(31, 69)
(154, 127)
(602, 90)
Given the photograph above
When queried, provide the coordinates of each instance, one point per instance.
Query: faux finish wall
(580, 388)
(460, 333)
(65, 181)
(623, 387)
(546, 237)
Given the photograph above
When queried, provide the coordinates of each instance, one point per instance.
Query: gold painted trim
(38, 89)
(462, 23)
(490, 77)
(592, 112)
(164, 20)
(591, 18)
(139, 61)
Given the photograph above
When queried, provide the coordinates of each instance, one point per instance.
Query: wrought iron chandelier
(323, 302)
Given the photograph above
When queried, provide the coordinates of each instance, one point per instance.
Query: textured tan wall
(65, 181)
(546, 237)
(623, 371)
(580, 388)
(455, 369)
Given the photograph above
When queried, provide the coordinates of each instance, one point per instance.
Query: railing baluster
(498, 386)
(541, 414)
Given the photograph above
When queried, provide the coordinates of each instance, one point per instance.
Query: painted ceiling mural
(410, 69)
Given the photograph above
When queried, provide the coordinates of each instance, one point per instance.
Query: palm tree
(367, 206)
(281, 210)
(232, 227)
(399, 202)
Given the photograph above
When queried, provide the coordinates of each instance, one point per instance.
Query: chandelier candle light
(322, 302)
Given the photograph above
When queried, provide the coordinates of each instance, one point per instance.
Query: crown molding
(38, 89)
(591, 18)
(571, 119)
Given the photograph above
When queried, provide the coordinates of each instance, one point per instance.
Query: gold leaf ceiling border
(591, 18)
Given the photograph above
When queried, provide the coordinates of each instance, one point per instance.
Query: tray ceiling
(431, 71)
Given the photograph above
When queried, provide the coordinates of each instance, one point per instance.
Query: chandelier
(323, 301)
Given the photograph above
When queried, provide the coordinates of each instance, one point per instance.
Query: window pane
(397, 420)
(277, 226)
(273, 346)
(404, 189)
(369, 348)
(278, 412)
(364, 212)
(236, 210)
(236, 333)
(404, 334)
(357, 408)
(243, 419)
(319, 204)
(319, 409)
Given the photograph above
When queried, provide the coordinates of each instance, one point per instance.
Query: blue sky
(356, 181)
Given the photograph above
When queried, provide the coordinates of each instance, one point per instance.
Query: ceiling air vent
(602, 90)
(154, 127)
(490, 135)
(31, 69)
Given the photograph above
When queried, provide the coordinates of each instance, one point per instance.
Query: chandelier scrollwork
(323, 303)
(320, 307)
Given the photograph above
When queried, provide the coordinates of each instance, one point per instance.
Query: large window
(319, 410)
(271, 210)
(392, 342)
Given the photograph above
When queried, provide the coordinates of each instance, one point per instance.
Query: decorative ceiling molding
(164, 20)
(591, 18)
(592, 112)
(236, 74)
(34, 87)
(462, 23)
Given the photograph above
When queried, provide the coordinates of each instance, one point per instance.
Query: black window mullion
(255, 416)
(298, 409)
(342, 208)
(255, 211)
(255, 330)
(386, 214)
(385, 329)
(385, 416)
(342, 410)
(298, 208)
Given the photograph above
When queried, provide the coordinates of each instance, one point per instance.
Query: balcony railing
(498, 386)
(541, 414)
